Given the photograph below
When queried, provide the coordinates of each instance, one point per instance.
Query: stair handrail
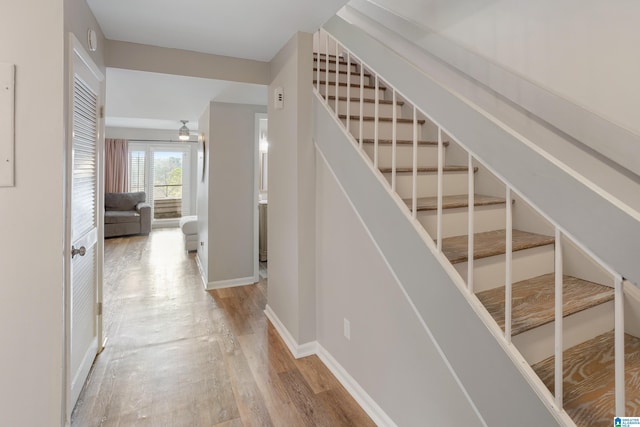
(553, 400)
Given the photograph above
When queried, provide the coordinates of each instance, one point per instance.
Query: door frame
(256, 195)
(76, 50)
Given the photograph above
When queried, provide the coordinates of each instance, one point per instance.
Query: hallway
(177, 355)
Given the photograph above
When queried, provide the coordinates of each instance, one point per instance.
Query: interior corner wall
(291, 220)
(202, 204)
(389, 349)
(79, 19)
(32, 213)
(232, 202)
(582, 51)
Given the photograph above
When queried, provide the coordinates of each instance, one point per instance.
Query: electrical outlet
(347, 329)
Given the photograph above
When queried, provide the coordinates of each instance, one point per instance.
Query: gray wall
(291, 219)
(389, 354)
(230, 197)
(202, 204)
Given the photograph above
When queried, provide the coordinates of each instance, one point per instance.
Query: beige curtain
(116, 159)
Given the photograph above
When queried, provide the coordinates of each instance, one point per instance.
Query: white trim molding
(366, 402)
(221, 284)
(297, 350)
(356, 391)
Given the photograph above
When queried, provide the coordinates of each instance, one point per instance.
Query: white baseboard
(365, 401)
(297, 350)
(203, 275)
(220, 284)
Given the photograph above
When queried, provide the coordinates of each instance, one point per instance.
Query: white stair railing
(342, 55)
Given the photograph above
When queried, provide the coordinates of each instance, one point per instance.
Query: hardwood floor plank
(178, 355)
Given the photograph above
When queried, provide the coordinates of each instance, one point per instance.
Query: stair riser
(488, 273)
(354, 91)
(537, 344)
(453, 183)
(385, 129)
(455, 221)
(332, 67)
(427, 155)
(354, 78)
(368, 108)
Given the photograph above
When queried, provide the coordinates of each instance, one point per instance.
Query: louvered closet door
(84, 231)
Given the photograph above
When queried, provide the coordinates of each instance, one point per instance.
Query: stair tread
(533, 300)
(332, 59)
(588, 391)
(367, 100)
(345, 72)
(381, 119)
(402, 142)
(356, 85)
(456, 201)
(430, 169)
(491, 243)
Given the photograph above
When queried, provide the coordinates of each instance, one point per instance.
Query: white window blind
(137, 170)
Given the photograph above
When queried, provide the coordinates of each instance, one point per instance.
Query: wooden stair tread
(353, 73)
(429, 169)
(367, 100)
(491, 243)
(356, 85)
(589, 379)
(332, 59)
(381, 119)
(402, 142)
(457, 201)
(533, 300)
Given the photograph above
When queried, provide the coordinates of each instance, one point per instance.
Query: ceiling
(250, 29)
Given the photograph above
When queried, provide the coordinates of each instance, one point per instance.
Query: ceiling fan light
(183, 132)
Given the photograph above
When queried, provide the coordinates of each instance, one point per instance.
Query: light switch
(7, 123)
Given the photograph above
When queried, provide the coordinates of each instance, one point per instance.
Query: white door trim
(77, 52)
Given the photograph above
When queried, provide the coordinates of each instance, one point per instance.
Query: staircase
(588, 294)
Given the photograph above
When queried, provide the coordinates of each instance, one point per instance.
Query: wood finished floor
(180, 356)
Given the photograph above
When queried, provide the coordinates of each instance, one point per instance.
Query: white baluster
(376, 116)
(440, 189)
(507, 274)
(393, 143)
(348, 91)
(619, 347)
(337, 79)
(470, 240)
(414, 178)
(326, 77)
(361, 102)
(559, 373)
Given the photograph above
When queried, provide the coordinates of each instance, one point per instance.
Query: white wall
(202, 204)
(389, 353)
(231, 200)
(291, 220)
(583, 51)
(32, 212)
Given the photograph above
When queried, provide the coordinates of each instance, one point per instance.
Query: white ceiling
(140, 99)
(250, 29)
